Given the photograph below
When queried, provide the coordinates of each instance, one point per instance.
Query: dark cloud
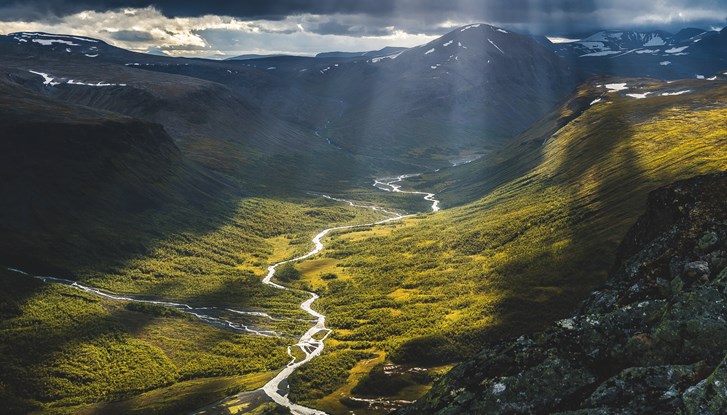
(131, 36)
(333, 27)
(253, 9)
(377, 17)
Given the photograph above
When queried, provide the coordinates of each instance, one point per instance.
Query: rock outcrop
(652, 340)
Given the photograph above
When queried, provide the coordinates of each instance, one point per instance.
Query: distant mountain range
(689, 53)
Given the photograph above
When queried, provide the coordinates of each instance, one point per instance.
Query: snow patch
(493, 44)
(448, 43)
(638, 96)
(502, 31)
(664, 63)
(100, 83)
(380, 58)
(640, 51)
(470, 27)
(667, 94)
(429, 51)
(47, 79)
(596, 101)
(273, 67)
(50, 42)
(85, 39)
(616, 87)
(676, 50)
(593, 45)
(90, 56)
(700, 76)
(655, 41)
(601, 53)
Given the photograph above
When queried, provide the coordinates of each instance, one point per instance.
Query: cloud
(148, 30)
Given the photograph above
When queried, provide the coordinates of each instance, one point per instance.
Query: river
(311, 343)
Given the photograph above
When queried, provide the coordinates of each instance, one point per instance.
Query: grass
(179, 397)
(62, 348)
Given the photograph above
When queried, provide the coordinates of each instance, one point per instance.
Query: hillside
(439, 288)
(75, 177)
(651, 340)
(475, 86)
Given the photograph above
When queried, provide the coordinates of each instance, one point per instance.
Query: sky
(218, 29)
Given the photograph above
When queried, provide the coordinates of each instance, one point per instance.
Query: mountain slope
(478, 86)
(469, 90)
(534, 242)
(73, 176)
(652, 340)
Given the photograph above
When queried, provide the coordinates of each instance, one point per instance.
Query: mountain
(656, 54)
(467, 91)
(652, 340)
(459, 90)
(252, 56)
(389, 50)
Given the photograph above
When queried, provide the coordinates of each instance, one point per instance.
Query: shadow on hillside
(598, 178)
(589, 197)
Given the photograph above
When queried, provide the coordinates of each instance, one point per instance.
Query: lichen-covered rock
(652, 340)
(708, 397)
(696, 269)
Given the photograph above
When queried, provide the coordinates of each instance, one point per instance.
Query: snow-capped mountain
(657, 53)
(72, 45)
(606, 43)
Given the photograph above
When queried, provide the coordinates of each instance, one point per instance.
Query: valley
(184, 235)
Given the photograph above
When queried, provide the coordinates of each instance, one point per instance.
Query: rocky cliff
(652, 340)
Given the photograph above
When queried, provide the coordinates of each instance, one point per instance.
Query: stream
(311, 343)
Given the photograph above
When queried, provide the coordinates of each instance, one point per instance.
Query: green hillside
(436, 289)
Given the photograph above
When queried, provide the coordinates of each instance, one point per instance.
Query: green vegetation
(324, 374)
(62, 348)
(438, 288)
(224, 267)
(287, 273)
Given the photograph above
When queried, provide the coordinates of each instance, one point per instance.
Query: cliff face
(653, 340)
